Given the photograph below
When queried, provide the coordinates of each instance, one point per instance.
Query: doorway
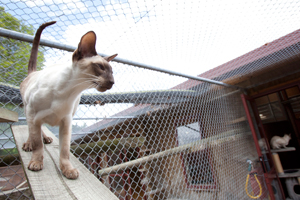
(276, 113)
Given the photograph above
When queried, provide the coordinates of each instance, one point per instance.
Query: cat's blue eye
(101, 67)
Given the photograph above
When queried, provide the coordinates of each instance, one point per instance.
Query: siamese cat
(52, 95)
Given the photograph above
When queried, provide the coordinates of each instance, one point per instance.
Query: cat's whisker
(84, 82)
(78, 84)
(79, 79)
(90, 75)
(92, 86)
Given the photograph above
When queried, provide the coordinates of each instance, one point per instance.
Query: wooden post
(8, 116)
(145, 159)
(194, 146)
(277, 163)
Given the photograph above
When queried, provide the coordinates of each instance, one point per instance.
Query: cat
(52, 95)
(277, 142)
(262, 144)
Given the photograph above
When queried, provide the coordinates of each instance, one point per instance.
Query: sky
(188, 37)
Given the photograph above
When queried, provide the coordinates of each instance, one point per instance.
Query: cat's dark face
(103, 71)
(95, 68)
(96, 72)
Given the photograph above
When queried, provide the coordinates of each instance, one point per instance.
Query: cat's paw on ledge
(35, 165)
(27, 146)
(47, 140)
(71, 173)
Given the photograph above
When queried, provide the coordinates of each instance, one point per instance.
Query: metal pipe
(28, 38)
(141, 65)
(90, 118)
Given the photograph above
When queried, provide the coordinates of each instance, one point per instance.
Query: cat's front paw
(71, 173)
(47, 140)
(27, 146)
(35, 165)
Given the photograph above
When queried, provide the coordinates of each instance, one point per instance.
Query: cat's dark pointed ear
(86, 46)
(110, 58)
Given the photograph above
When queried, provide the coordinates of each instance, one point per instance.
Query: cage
(197, 85)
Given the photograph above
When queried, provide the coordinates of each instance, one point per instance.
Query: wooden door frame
(271, 174)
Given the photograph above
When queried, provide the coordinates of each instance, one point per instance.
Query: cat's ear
(110, 58)
(86, 46)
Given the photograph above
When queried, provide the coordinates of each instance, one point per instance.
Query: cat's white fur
(262, 144)
(278, 142)
(52, 95)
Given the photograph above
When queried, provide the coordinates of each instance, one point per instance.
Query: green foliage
(14, 54)
(12, 151)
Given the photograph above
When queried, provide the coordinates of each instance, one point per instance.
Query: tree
(14, 54)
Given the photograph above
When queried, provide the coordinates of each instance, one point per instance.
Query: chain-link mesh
(153, 135)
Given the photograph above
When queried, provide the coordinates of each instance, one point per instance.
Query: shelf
(281, 150)
(290, 175)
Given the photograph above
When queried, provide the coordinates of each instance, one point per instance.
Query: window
(293, 97)
(188, 133)
(270, 108)
(197, 165)
(198, 170)
(292, 92)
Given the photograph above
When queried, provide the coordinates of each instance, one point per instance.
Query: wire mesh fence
(154, 135)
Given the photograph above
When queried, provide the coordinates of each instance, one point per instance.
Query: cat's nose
(109, 84)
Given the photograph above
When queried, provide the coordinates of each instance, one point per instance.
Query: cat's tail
(35, 47)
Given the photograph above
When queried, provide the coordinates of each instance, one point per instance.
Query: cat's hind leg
(35, 144)
(27, 146)
(46, 139)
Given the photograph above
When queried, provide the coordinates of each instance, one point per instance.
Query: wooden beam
(8, 116)
(49, 183)
(145, 159)
(191, 147)
(103, 146)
